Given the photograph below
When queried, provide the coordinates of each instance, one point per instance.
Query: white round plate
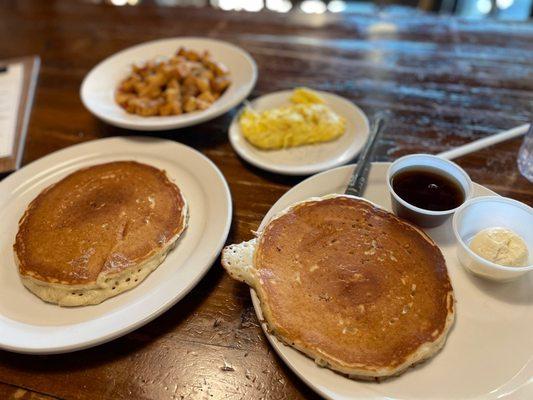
(310, 159)
(489, 352)
(29, 325)
(98, 88)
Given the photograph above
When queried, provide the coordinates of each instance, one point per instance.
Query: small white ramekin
(490, 212)
(420, 216)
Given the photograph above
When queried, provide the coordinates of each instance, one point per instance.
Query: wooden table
(446, 81)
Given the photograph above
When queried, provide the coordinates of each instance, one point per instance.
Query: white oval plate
(489, 352)
(98, 88)
(29, 325)
(305, 160)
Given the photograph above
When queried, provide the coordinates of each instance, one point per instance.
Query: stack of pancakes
(98, 232)
(348, 284)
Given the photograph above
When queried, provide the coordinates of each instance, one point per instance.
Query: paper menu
(11, 83)
(18, 80)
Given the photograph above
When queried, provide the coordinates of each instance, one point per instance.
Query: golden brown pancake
(97, 232)
(349, 284)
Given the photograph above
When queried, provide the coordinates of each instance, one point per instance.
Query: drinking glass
(525, 155)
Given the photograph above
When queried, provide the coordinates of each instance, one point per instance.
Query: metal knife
(357, 184)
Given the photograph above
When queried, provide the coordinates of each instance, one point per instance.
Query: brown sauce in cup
(428, 189)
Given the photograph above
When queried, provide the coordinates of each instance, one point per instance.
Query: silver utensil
(357, 184)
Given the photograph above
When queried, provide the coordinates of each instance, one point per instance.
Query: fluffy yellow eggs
(306, 120)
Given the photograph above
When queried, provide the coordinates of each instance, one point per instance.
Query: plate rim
(163, 306)
(234, 134)
(272, 340)
(203, 116)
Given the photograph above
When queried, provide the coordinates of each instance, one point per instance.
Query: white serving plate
(310, 159)
(489, 351)
(98, 88)
(29, 325)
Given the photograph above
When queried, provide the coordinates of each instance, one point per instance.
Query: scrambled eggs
(307, 120)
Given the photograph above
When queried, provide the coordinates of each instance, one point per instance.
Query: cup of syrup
(427, 189)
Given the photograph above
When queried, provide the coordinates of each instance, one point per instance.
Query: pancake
(98, 232)
(348, 284)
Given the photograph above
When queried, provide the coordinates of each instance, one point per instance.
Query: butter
(306, 120)
(500, 246)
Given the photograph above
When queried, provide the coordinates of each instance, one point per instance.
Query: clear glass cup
(525, 155)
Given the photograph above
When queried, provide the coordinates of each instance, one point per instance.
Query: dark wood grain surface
(446, 82)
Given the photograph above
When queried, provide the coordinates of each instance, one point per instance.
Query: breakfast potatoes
(187, 82)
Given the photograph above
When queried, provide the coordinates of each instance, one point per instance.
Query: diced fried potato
(177, 59)
(190, 105)
(173, 84)
(170, 71)
(137, 69)
(217, 68)
(129, 107)
(128, 85)
(202, 105)
(196, 68)
(206, 55)
(220, 69)
(144, 107)
(123, 98)
(142, 89)
(206, 97)
(157, 79)
(149, 91)
(189, 86)
(146, 111)
(184, 70)
(170, 109)
(220, 84)
(192, 55)
(207, 74)
(165, 109)
(202, 84)
(188, 81)
(172, 95)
